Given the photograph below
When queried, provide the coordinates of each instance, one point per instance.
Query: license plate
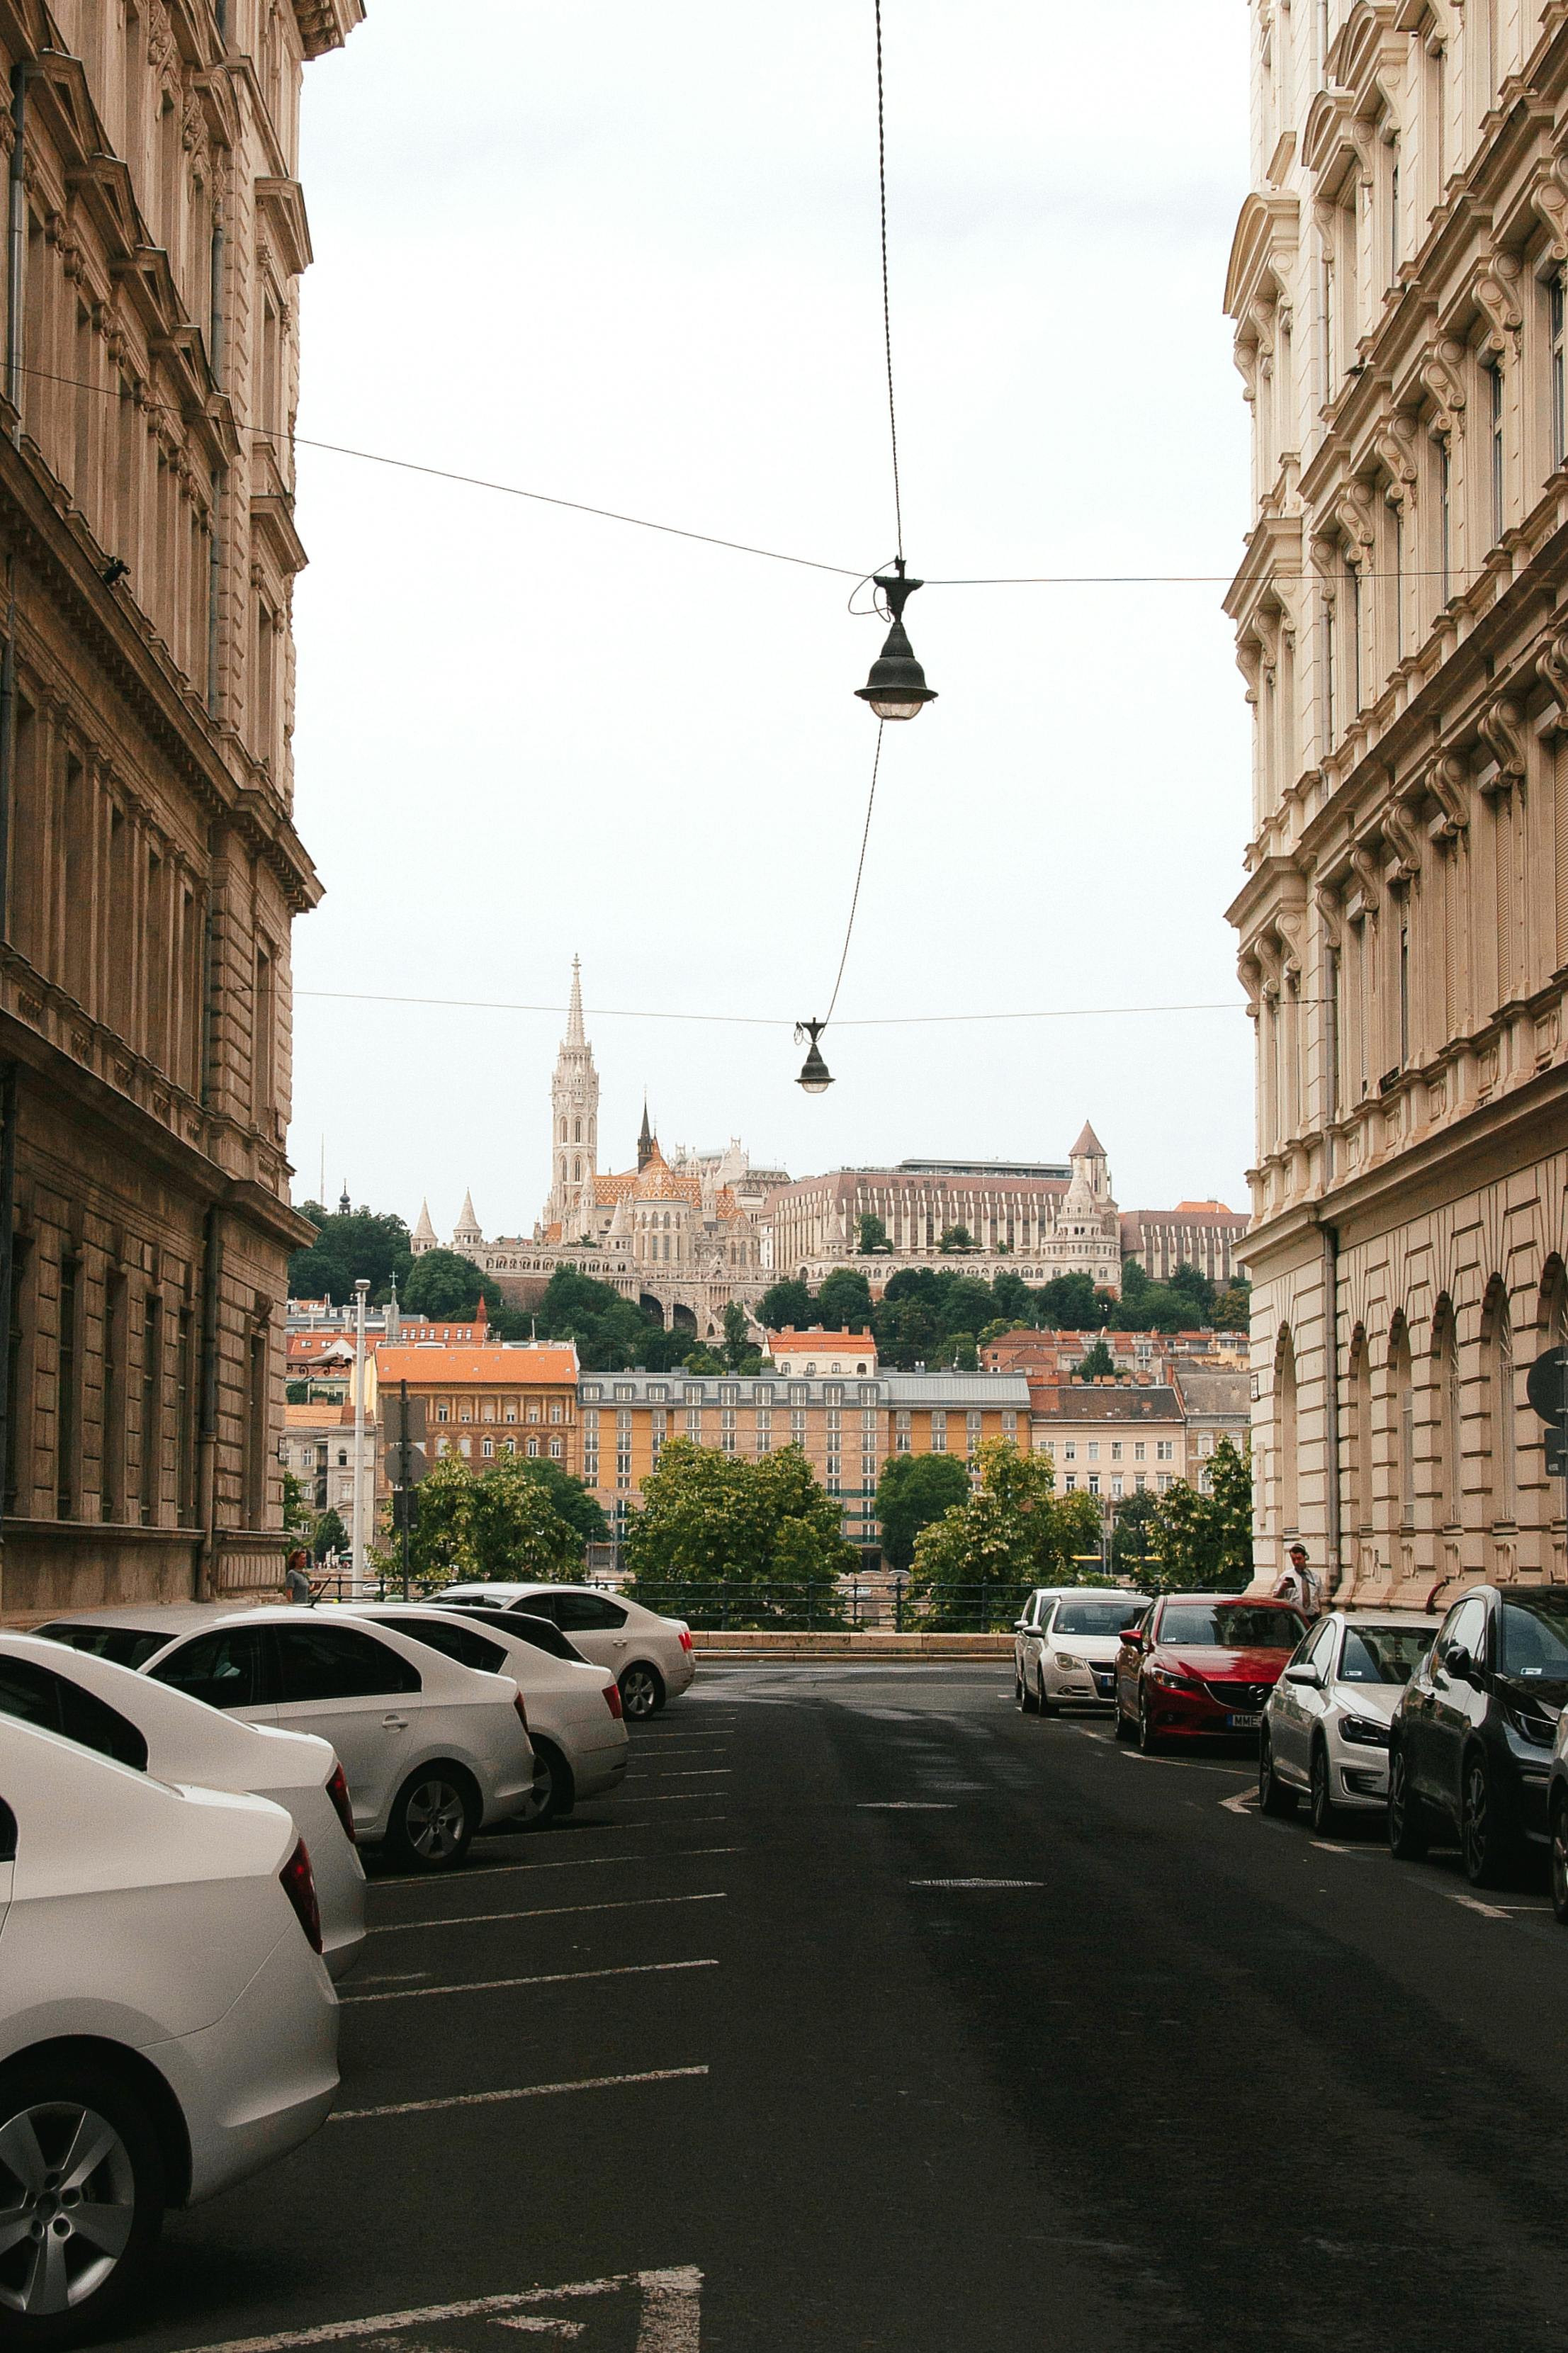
(1244, 1723)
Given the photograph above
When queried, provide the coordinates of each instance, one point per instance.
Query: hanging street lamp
(814, 1075)
(896, 687)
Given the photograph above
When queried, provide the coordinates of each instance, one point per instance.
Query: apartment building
(485, 1403)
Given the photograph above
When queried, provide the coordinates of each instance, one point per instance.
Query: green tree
(786, 1307)
(1098, 1364)
(1068, 1302)
(976, 1563)
(844, 1302)
(331, 1535)
(296, 1392)
(711, 1518)
(737, 1335)
(297, 1512)
(1189, 1284)
(441, 1546)
(1134, 1538)
(956, 1237)
(516, 1528)
(912, 1491)
(873, 1235)
(364, 1242)
(447, 1287)
(571, 1501)
(1233, 1308)
(702, 1358)
(1205, 1541)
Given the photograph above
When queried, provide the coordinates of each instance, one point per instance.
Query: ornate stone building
(1398, 284)
(151, 867)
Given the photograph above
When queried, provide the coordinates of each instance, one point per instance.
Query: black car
(1471, 1741)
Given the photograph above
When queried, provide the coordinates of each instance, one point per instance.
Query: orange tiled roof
(487, 1367)
(790, 1340)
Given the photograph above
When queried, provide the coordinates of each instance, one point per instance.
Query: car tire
(1325, 1813)
(555, 1792)
(642, 1692)
(1485, 1847)
(50, 2108)
(1123, 1729)
(1046, 1705)
(1409, 1829)
(1149, 1741)
(434, 1817)
(1274, 1796)
(1027, 1703)
(1558, 1858)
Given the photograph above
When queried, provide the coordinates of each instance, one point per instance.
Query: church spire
(575, 1036)
(645, 1137)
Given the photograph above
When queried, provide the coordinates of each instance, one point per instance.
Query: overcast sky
(627, 254)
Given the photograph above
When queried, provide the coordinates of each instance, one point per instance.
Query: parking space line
(675, 1798)
(540, 1912)
(695, 1773)
(906, 1806)
(522, 2091)
(556, 1977)
(670, 2304)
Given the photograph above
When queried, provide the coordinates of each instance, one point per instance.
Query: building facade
(1397, 285)
(1031, 1221)
(845, 1427)
(1108, 1441)
(485, 1402)
(152, 870)
(1202, 1234)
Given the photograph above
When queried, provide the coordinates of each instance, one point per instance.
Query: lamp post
(896, 687)
(356, 1541)
(815, 1077)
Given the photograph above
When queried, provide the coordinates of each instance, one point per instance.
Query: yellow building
(485, 1403)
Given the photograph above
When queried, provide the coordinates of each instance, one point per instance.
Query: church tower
(574, 1134)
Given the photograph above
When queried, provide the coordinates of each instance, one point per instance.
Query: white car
(1325, 1728)
(146, 1725)
(431, 1750)
(167, 2025)
(650, 1657)
(1067, 1653)
(575, 1718)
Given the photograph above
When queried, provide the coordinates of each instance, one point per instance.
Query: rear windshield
(1384, 1654)
(1095, 1617)
(1230, 1626)
(127, 1646)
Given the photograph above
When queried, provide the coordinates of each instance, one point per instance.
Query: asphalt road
(874, 2015)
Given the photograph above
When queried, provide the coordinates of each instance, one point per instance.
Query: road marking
(671, 2302)
(541, 2328)
(905, 1806)
(538, 1912)
(573, 1863)
(556, 1977)
(523, 2092)
(397, 1977)
(1244, 1802)
(700, 1773)
(977, 1883)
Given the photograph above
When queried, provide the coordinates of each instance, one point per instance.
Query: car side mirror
(1132, 1639)
(1022, 1626)
(1463, 1666)
(1305, 1674)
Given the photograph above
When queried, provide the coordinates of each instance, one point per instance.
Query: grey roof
(1087, 1401)
(1207, 1390)
(956, 1389)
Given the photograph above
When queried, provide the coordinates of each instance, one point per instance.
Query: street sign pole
(402, 1482)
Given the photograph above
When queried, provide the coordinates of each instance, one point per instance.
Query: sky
(628, 255)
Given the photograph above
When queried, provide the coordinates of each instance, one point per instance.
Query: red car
(1201, 1666)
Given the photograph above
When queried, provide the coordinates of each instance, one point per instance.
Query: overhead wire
(774, 1022)
(887, 301)
(859, 871)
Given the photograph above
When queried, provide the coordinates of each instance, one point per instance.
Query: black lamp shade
(896, 687)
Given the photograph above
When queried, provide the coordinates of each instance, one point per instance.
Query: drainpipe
(220, 473)
(16, 245)
(1332, 1405)
(207, 1425)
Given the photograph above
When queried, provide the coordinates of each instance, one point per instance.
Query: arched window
(1285, 1433)
(577, 1132)
(1448, 1431)
(1498, 1343)
(1402, 1397)
(577, 1171)
(1361, 1432)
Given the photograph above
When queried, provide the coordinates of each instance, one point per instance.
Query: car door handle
(395, 1723)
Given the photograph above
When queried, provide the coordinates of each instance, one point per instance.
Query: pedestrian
(1299, 1585)
(296, 1578)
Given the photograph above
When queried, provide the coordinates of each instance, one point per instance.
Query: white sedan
(1325, 1728)
(650, 1656)
(166, 2023)
(154, 1729)
(575, 1718)
(431, 1749)
(1068, 1651)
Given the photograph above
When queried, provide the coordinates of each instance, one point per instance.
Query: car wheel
(1325, 1813)
(1026, 1700)
(1123, 1728)
(1273, 1795)
(1483, 1836)
(554, 1793)
(1408, 1833)
(434, 1817)
(81, 2199)
(642, 1692)
(1148, 1738)
(1045, 1704)
(1559, 1860)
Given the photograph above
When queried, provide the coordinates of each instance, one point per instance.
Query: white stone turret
(468, 1233)
(424, 1236)
(575, 1132)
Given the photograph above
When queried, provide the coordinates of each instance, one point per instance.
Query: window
(1139, 1450)
(1494, 421)
(319, 1662)
(1402, 1386)
(1070, 1452)
(454, 1639)
(112, 1477)
(1094, 1450)
(1446, 1382)
(1501, 1403)
(1116, 1487)
(587, 1613)
(65, 1393)
(152, 1462)
(1164, 1450)
(1094, 1482)
(487, 1449)
(226, 1669)
(1072, 1482)
(1116, 1450)
(533, 1448)
(443, 1411)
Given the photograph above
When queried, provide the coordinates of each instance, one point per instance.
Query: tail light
(299, 1885)
(613, 1699)
(685, 1638)
(338, 1790)
(522, 1711)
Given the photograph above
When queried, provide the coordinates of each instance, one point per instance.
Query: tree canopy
(1098, 1364)
(367, 1242)
(611, 1332)
(500, 1522)
(1012, 1531)
(711, 1518)
(447, 1287)
(912, 1491)
(1201, 1542)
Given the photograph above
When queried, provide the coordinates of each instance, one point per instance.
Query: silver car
(1325, 1728)
(1067, 1650)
